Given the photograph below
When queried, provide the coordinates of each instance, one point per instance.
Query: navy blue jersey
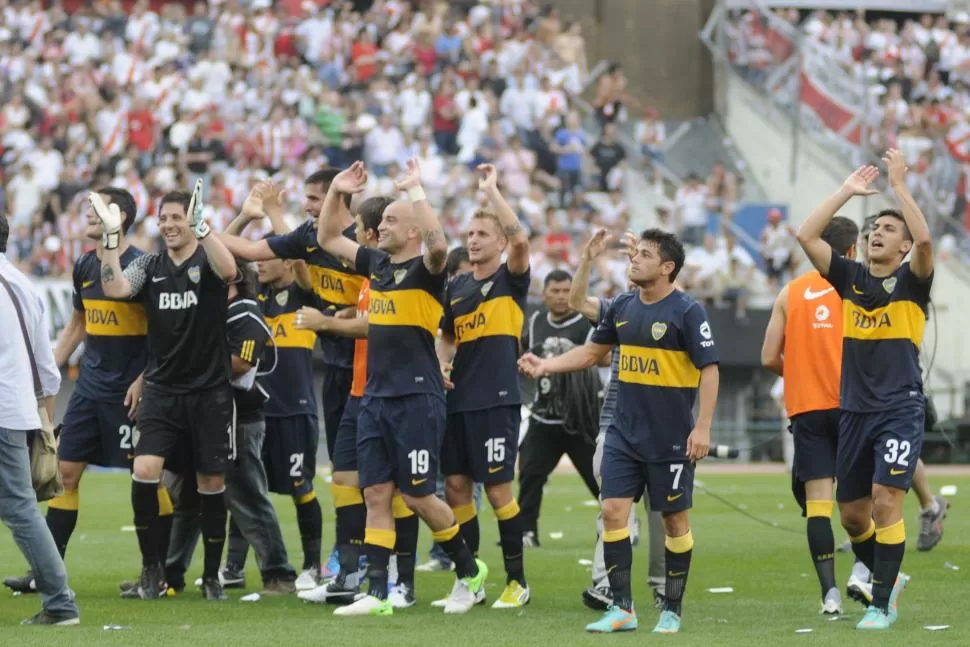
(249, 340)
(662, 347)
(334, 281)
(405, 310)
(116, 347)
(290, 386)
(486, 318)
(882, 329)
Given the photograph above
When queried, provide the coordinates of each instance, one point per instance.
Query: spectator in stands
(570, 149)
(722, 192)
(607, 154)
(777, 246)
(691, 201)
(651, 134)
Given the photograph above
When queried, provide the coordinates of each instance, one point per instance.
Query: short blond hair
(484, 214)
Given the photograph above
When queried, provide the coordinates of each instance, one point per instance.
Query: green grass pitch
(775, 590)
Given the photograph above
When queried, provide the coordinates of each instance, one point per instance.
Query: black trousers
(539, 454)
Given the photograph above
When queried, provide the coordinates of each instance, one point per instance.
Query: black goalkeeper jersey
(186, 306)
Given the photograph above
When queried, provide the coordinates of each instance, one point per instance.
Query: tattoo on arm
(432, 236)
(513, 230)
(107, 274)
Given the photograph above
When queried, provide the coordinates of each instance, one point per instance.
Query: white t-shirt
(691, 202)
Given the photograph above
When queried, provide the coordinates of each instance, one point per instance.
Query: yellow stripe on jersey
(493, 318)
(114, 318)
(246, 351)
(286, 336)
(657, 367)
(334, 286)
(405, 308)
(897, 320)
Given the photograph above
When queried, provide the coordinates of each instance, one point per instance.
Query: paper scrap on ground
(952, 567)
(804, 631)
(591, 503)
(569, 508)
(555, 535)
(127, 529)
(252, 597)
(948, 490)
(114, 627)
(721, 589)
(585, 562)
(936, 627)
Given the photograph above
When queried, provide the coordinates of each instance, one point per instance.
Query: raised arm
(921, 261)
(113, 281)
(518, 250)
(330, 233)
(433, 236)
(220, 258)
(810, 233)
(772, 350)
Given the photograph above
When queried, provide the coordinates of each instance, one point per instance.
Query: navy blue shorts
(290, 454)
(333, 397)
(669, 486)
(398, 440)
(816, 436)
(482, 444)
(345, 449)
(878, 447)
(98, 433)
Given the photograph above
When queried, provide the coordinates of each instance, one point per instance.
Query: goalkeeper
(187, 399)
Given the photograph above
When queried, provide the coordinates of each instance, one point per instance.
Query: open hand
(859, 182)
(895, 163)
(412, 176)
(596, 245)
(351, 180)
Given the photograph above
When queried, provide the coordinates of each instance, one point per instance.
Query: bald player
(402, 412)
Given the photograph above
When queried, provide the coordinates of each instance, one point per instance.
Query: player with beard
(484, 315)
(881, 430)
(187, 398)
(98, 426)
(402, 412)
(667, 358)
(338, 287)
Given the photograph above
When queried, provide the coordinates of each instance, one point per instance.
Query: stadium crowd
(236, 94)
(913, 72)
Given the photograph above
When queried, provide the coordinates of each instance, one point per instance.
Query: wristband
(110, 241)
(416, 194)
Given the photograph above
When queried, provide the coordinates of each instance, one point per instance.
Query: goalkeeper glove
(110, 217)
(196, 222)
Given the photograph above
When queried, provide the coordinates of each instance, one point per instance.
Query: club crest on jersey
(282, 298)
(658, 330)
(889, 285)
(487, 288)
(399, 275)
(195, 274)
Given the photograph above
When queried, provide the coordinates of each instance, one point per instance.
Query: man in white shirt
(18, 417)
